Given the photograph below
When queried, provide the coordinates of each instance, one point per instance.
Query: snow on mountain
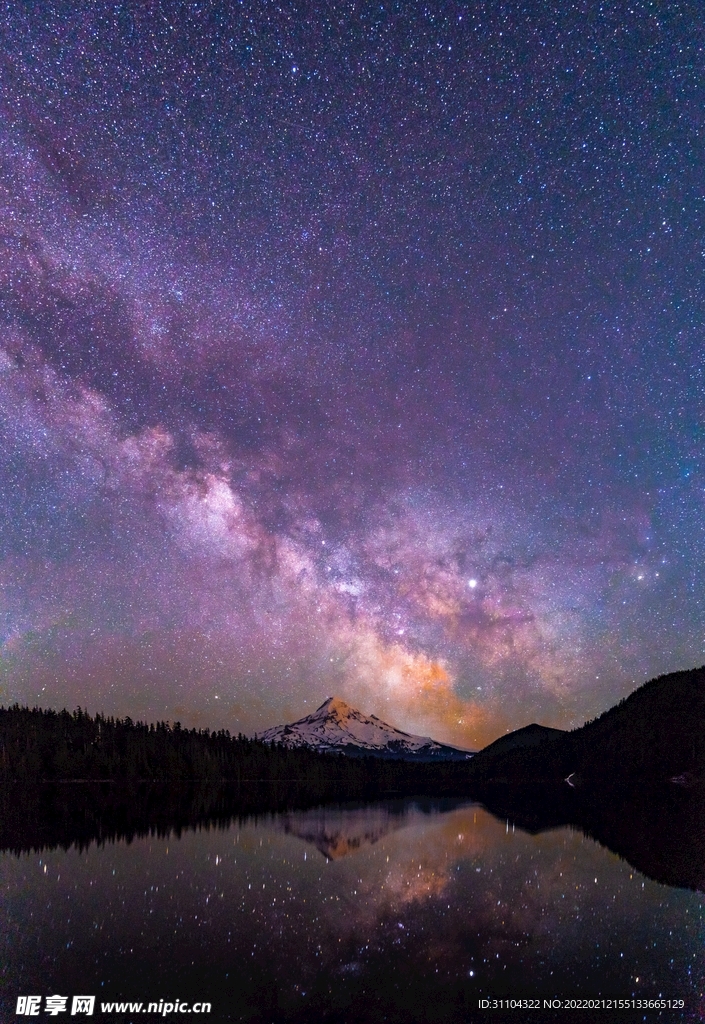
(336, 727)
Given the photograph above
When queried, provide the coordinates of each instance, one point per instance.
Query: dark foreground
(403, 909)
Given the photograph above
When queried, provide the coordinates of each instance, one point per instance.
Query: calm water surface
(399, 911)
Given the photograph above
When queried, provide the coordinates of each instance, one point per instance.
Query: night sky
(351, 349)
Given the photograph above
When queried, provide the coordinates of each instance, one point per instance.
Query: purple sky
(351, 349)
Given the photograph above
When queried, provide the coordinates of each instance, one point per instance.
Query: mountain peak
(336, 727)
(334, 706)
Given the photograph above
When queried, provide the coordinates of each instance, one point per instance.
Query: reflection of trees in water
(660, 830)
(39, 816)
(46, 815)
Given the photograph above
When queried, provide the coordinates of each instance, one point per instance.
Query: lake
(400, 910)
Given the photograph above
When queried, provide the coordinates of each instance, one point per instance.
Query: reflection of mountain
(335, 727)
(337, 831)
(340, 830)
(659, 830)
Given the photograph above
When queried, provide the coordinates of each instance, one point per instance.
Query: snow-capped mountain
(335, 727)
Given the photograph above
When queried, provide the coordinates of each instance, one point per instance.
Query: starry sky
(351, 348)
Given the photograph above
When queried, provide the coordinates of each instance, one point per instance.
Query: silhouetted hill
(529, 736)
(656, 733)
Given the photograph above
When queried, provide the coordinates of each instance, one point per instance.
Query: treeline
(41, 745)
(656, 733)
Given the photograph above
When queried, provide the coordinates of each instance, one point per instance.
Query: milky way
(351, 349)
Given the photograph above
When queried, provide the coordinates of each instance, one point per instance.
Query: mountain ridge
(657, 732)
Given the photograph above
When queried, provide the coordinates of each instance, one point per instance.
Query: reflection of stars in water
(459, 897)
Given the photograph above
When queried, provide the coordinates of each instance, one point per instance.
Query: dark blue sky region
(351, 348)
